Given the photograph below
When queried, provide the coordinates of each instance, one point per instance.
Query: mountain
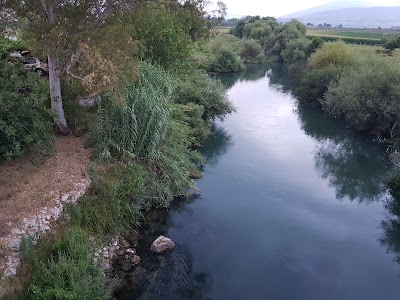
(339, 4)
(356, 17)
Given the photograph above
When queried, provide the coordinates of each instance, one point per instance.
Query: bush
(325, 66)
(336, 54)
(163, 34)
(226, 61)
(7, 46)
(312, 84)
(25, 119)
(201, 89)
(315, 44)
(69, 273)
(78, 117)
(251, 52)
(368, 97)
(296, 51)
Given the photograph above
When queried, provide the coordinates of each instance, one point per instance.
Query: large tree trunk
(55, 95)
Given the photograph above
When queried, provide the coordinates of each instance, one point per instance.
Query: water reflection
(278, 77)
(251, 73)
(354, 165)
(391, 227)
(217, 145)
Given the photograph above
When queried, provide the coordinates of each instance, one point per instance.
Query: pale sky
(277, 8)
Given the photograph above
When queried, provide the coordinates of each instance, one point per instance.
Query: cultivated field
(363, 36)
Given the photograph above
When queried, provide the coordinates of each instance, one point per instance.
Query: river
(293, 206)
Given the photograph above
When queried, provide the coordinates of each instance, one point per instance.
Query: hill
(340, 4)
(355, 17)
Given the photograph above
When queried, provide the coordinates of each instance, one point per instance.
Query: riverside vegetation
(144, 130)
(156, 107)
(360, 84)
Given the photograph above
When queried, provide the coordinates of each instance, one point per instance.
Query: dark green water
(292, 206)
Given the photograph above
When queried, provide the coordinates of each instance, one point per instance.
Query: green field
(364, 36)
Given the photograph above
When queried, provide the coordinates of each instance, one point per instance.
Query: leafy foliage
(136, 125)
(201, 89)
(336, 54)
(7, 46)
(368, 97)
(69, 273)
(226, 61)
(322, 68)
(392, 44)
(251, 51)
(25, 120)
(296, 50)
(143, 128)
(161, 32)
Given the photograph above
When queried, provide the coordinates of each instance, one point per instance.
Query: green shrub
(336, 54)
(151, 140)
(223, 41)
(323, 67)
(25, 120)
(296, 50)
(78, 117)
(201, 89)
(226, 61)
(368, 97)
(312, 84)
(315, 44)
(282, 35)
(162, 33)
(251, 52)
(7, 46)
(69, 273)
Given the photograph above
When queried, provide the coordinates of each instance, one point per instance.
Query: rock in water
(162, 244)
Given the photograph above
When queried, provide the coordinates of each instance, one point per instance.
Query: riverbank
(289, 195)
(33, 195)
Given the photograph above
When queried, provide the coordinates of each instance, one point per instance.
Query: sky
(278, 8)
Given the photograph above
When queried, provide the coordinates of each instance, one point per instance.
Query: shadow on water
(217, 145)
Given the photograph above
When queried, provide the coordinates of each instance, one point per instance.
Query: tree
(82, 40)
(62, 29)
(392, 44)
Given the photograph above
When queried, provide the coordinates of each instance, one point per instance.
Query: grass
(223, 30)
(373, 51)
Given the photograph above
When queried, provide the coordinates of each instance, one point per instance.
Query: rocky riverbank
(34, 228)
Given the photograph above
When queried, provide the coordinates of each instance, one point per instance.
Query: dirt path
(32, 194)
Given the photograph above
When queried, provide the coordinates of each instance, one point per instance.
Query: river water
(293, 206)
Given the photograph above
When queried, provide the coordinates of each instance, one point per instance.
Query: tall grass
(136, 126)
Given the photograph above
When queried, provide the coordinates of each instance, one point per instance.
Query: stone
(162, 244)
(131, 251)
(15, 244)
(135, 260)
